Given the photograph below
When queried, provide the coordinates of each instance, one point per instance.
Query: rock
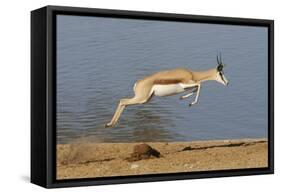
(143, 151)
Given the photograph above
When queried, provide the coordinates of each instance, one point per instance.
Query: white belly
(166, 90)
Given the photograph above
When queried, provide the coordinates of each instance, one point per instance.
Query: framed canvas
(126, 96)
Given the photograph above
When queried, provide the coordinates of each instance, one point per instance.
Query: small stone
(133, 166)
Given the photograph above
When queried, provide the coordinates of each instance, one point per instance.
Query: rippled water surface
(99, 60)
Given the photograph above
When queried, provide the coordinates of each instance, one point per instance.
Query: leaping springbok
(166, 83)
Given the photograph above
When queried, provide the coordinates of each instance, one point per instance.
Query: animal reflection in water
(170, 82)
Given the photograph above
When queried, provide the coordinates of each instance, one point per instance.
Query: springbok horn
(218, 61)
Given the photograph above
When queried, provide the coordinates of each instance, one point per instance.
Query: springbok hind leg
(121, 106)
(143, 94)
(116, 115)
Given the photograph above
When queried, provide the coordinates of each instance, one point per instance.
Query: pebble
(188, 166)
(133, 166)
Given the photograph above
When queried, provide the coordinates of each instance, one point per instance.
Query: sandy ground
(84, 160)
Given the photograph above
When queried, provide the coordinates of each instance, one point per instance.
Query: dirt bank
(84, 160)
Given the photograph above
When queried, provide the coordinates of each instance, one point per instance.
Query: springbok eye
(220, 67)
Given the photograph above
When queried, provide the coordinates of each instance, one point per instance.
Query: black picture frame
(43, 95)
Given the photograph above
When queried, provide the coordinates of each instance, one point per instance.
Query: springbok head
(220, 74)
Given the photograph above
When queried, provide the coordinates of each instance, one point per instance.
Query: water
(99, 60)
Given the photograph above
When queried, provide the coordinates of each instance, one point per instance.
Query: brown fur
(167, 81)
(168, 77)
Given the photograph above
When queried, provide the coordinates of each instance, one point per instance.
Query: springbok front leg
(189, 94)
(197, 95)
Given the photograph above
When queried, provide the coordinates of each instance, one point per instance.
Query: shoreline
(86, 160)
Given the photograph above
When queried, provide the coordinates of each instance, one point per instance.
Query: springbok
(166, 83)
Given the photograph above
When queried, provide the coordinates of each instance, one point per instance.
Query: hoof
(191, 104)
(107, 125)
